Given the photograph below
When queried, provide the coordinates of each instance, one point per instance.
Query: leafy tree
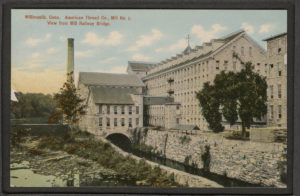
(32, 105)
(69, 102)
(233, 95)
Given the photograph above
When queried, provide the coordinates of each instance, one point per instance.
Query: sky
(38, 52)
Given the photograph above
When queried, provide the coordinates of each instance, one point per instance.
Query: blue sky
(39, 49)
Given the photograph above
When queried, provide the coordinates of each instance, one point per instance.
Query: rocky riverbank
(78, 159)
(63, 169)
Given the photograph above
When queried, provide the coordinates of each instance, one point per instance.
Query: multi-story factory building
(114, 102)
(183, 75)
(277, 80)
(164, 94)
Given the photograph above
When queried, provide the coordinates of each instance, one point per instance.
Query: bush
(206, 158)
(184, 139)
(35, 151)
(237, 135)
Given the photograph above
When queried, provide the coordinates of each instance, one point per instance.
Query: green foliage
(184, 139)
(233, 95)
(105, 155)
(69, 102)
(18, 137)
(206, 158)
(187, 160)
(32, 105)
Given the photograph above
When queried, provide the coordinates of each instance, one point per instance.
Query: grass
(105, 154)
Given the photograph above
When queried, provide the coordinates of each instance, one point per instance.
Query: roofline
(274, 36)
(212, 53)
(143, 62)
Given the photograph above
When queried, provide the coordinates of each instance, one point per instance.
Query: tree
(69, 102)
(233, 95)
(32, 105)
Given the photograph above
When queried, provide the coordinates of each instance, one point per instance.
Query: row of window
(278, 91)
(243, 50)
(278, 111)
(115, 122)
(115, 109)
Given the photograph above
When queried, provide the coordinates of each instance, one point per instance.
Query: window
(137, 109)
(100, 122)
(279, 111)
(122, 122)
(177, 107)
(115, 110)
(137, 121)
(279, 73)
(225, 64)
(271, 112)
(100, 109)
(234, 66)
(217, 65)
(279, 50)
(122, 109)
(177, 120)
(271, 91)
(107, 122)
(279, 90)
(129, 122)
(233, 48)
(129, 109)
(107, 109)
(250, 51)
(115, 122)
(242, 51)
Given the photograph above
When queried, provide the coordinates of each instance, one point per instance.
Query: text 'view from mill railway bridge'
(136, 98)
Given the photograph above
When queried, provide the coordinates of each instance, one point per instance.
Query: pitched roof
(231, 36)
(140, 66)
(224, 39)
(274, 36)
(109, 79)
(186, 127)
(108, 95)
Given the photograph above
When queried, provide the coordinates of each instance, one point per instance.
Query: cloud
(206, 35)
(46, 81)
(265, 28)
(62, 38)
(108, 60)
(114, 39)
(179, 45)
(248, 28)
(140, 57)
(36, 55)
(52, 50)
(146, 40)
(35, 41)
(114, 69)
(84, 54)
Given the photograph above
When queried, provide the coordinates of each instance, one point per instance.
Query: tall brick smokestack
(70, 59)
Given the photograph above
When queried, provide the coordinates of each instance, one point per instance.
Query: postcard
(148, 98)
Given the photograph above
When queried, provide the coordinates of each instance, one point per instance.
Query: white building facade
(114, 102)
(183, 75)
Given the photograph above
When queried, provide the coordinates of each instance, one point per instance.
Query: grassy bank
(84, 145)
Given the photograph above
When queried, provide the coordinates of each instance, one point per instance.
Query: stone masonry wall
(254, 162)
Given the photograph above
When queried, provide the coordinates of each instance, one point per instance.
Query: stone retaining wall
(253, 162)
(180, 177)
